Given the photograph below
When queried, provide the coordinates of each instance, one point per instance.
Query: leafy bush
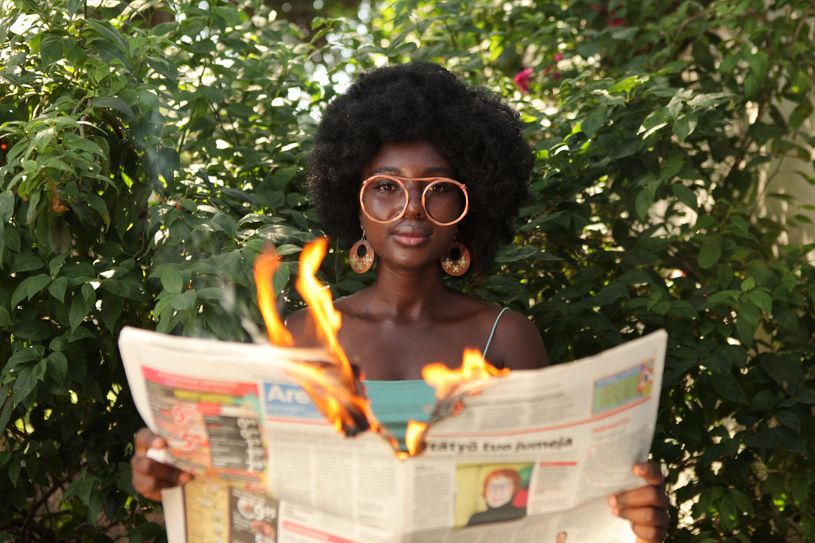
(147, 164)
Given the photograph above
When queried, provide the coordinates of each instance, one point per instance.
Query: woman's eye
(386, 187)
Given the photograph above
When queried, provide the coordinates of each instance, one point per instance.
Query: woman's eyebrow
(387, 169)
(432, 170)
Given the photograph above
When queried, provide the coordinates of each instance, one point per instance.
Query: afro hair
(478, 134)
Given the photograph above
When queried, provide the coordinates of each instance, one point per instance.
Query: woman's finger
(650, 472)
(646, 516)
(649, 534)
(168, 475)
(645, 496)
(145, 439)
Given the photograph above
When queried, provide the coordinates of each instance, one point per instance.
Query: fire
(473, 368)
(332, 386)
(414, 437)
(266, 265)
(318, 299)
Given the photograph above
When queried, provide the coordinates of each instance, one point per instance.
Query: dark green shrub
(148, 163)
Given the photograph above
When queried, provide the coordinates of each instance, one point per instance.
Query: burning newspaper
(527, 457)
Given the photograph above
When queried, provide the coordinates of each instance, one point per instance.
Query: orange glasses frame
(401, 181)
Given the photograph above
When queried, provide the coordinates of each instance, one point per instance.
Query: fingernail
(157, 443)
(184, 478)
(612, 502)
(615, 511)
(639, 470)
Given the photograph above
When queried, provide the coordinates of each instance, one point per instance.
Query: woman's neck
(406, 294)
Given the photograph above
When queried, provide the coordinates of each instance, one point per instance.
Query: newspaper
(532, 457)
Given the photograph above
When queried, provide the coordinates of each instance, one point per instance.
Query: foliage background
(149, 150)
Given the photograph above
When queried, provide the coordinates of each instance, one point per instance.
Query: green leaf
(5, 319)
(627, 85)
(81, 487)
(183, 302)
(789, 419)
(281, 278)
(728, 388)
(655, 121)
(6, 408)
(114, 103)
(24, 356)
(57, 367)
(6, 206)
(80, 307)
(685, 195)
(756, 77)
(709, 255)
(672, 166)
(290, 249)
(764, 400)
(595, 120)
(29, 287)
(112, 307)
(98, 204)
(225, 223)
(57, 288)
(684, 126)
(761, 299)
(645, 198)
(108, 34)
(172, 281)
(50, 49)
(55, 264)
(26, 262)
(783, 369)
(746, 330)
(282, 176)
(27, 378)
(611, 293)
(742, 501)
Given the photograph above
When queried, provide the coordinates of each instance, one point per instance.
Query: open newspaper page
(530, 457)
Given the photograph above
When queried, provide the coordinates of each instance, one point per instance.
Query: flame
(348, 410)
(332, 385)
(266, 264)
(321, 306)
(414, 437)
(473, 368)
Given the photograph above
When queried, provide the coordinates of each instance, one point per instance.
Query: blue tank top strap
(492, 332)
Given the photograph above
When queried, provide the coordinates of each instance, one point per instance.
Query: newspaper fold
(530, 457)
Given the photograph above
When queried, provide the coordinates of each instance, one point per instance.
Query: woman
(425, 174)
(501, 486)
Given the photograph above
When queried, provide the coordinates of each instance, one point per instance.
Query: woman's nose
(414, 210)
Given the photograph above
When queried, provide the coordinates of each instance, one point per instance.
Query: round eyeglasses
(384, 199)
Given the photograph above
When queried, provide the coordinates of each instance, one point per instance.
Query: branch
(43, 499)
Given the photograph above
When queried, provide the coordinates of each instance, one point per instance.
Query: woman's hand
(645, 507)
(150, 476)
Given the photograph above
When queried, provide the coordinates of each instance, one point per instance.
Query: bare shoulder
(518, 343)
(302, 329)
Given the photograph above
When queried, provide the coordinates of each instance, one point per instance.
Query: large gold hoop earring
(361, 256)
(457, 260)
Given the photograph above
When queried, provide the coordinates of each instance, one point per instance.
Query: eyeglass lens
(385, 200)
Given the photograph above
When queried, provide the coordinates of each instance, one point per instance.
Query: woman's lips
(410, 239)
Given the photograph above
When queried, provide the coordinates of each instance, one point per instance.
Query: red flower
(614, 22)
(522, 79)
(558, 57)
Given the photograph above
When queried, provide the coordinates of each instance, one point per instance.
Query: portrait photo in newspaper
(487, 493)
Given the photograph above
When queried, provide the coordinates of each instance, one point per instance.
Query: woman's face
(413, 241)
(499, 491)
